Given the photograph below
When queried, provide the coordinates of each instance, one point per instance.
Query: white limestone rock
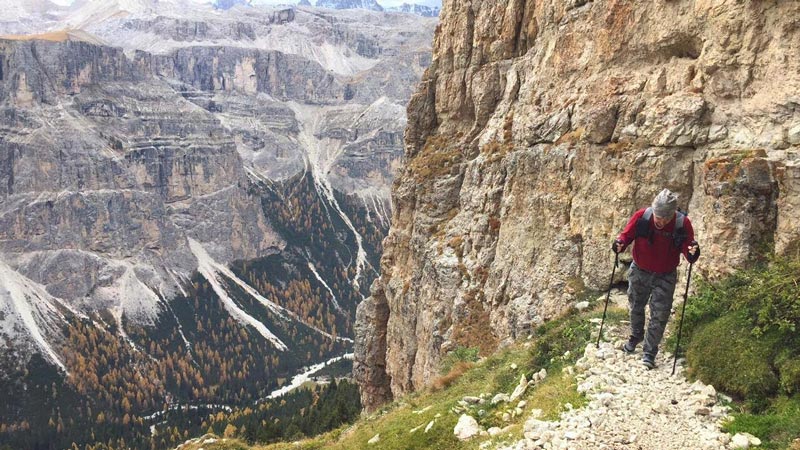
(740, 441)
(501, 397)
(466, 428)
(520, 389)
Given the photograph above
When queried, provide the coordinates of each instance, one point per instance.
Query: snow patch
(209, 268)
(180, 332)
(374, 201)
(29, 311)
(270, 305)
(319, 278)
(117, 312)
(177, 282)
(133, 298)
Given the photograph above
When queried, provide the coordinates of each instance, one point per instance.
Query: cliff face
(118, 154)
(97, 185)
(540, 127)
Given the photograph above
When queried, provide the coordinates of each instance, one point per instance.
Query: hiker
(659, 235)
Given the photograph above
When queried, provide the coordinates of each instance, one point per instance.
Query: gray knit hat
(665, 204)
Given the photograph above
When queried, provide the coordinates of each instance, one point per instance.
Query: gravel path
(631, 407)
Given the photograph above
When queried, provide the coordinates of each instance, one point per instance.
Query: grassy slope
(491, 375)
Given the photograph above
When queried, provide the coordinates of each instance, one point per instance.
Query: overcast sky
(284, 2)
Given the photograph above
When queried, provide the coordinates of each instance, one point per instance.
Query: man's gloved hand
(617, 246)
(694, 252)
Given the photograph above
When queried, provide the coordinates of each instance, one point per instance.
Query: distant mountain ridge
(373, 5)
(420, 10)
(228, 4)
(350, 4)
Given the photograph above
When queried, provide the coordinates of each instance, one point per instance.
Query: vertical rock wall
(540, 127)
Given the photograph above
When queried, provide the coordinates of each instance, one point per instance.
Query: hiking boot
(630, 346)
(649, 361)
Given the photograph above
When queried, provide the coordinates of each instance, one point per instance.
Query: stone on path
(466, 427)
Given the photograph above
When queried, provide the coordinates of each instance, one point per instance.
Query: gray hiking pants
(659, 289)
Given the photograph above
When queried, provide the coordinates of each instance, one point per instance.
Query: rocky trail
(631, 407)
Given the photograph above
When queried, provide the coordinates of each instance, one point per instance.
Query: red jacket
(661, 256)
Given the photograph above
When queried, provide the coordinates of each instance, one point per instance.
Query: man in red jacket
(659, 235)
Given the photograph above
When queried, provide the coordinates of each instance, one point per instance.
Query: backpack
(644, 230)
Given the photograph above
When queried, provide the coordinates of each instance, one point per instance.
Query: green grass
(776, 427)
(556, 338)
(554, 393)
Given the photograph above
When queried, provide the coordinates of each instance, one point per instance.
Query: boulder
(466, 428)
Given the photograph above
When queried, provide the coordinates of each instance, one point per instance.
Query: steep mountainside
(540, 127)
(190, 214)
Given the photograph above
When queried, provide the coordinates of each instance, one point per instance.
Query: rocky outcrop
(228, 4)
(541, 126)
(200, 30)
(284, 77)
(371, 318)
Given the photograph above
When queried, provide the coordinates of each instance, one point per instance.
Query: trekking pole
(605, 308)
(683, 312)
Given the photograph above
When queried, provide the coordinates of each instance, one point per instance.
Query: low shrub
(554, 342)
(725, 354)
(454, 374)
(749, 322)
(769, 295)
(788, 365)
(458, 355)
